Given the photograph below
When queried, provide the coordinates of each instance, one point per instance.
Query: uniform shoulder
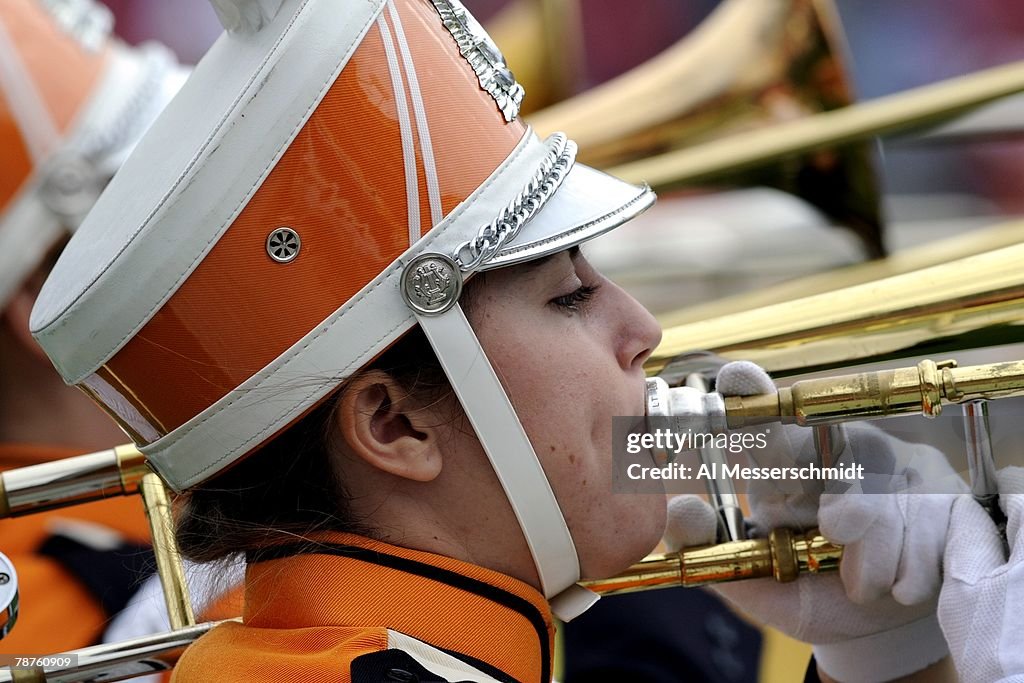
(408, 659)
(237, 653)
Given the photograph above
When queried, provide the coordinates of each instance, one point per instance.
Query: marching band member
(337, 297)
(73, 100)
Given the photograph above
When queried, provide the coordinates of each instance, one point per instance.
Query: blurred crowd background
(892, 46)
(713, 247)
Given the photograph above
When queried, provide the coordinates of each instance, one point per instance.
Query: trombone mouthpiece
(692, 407)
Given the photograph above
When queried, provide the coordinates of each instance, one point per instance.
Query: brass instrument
(970, 303)
(726, 122)
(112, 661)
(942, 251)
(783, 60)
(976, 301)
(168, 562)
(923, 389)
(85, 478)
(542, 41)
(784, 555)
(752, 64)
(1002, 119)
(910, 110)
(71, 481)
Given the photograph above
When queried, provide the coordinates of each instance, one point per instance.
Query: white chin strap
(513, 459)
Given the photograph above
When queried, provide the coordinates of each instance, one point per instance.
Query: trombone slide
(784, 555)
(82, 479)
(71, 481)
(920, 389)
(923, 388)
(114, 661)
(165, 548)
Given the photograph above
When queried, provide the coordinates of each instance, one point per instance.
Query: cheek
(566, 387)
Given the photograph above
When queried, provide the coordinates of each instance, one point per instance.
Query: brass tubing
(658, 570)
(992, 380)
(976, 301)
(71, 481)
(168, 561)
(749, 64)
(924, 389)
(784, 555)
(35, 675)
(116, 661)
(911, 109)
(742, 49)
(943, 252)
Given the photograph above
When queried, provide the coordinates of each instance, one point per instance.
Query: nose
(638, 332)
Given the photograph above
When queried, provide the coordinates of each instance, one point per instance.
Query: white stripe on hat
(426, 147)
(412, 185)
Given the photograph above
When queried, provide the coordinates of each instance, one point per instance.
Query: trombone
(774, 110)
(785, 60)
(785, 554)
(81, 479)
(970, 303)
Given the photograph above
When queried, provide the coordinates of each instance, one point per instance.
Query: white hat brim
(587, 204)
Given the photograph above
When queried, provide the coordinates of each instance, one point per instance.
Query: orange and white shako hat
(326, 179)
(73, 101)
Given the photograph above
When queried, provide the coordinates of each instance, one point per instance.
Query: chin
(628, 548)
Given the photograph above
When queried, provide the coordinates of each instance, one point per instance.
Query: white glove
(861, 624)
(893, 522)
(872, 642)
(981, 607)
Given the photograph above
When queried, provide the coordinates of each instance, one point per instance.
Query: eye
(576, 300)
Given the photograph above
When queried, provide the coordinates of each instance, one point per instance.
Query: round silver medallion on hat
(431, 284)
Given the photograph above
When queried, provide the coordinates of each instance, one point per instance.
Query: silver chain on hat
(432, 282)
(494, 236)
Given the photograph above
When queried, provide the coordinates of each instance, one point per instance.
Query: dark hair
(287, 490)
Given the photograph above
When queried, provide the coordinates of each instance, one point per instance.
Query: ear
(388, 430)
(15, 316)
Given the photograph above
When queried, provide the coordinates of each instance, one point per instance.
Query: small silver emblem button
(283, 245)
(431, 284)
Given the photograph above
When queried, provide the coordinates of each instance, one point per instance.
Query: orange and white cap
(324, 181)
(73, 101)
